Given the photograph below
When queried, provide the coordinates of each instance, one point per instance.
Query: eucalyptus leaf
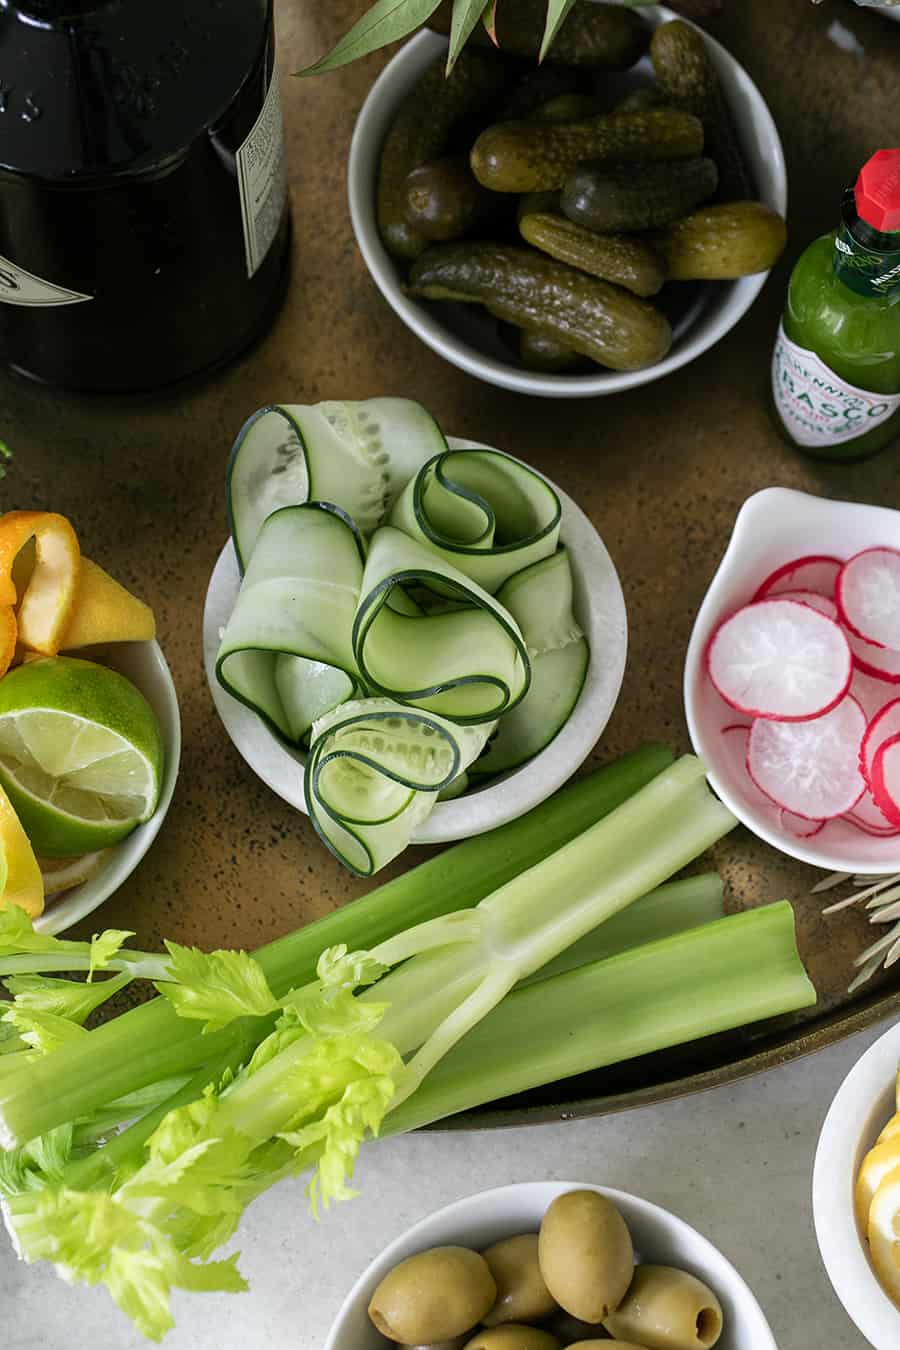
(386, 21)
(466, 14)
(489, 19)
(557, 13)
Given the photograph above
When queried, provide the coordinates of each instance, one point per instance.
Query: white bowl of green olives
(545, 1265)
(640, 338)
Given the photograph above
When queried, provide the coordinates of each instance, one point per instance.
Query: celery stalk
(673, 908)
(725, 974)
(150, 1041)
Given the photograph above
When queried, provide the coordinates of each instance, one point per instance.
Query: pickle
(531, 156)
(420, 132)
(597, 36)
(533, 291)
(647, 96)
(537, 87)
(537, 203)
(614, 257)
(688, 80)
(539, 352)
(443, 201)
(721, 242)
(566, 108)
(609, 197)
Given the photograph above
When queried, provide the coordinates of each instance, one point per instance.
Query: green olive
(605, 1345)
(586, 1255)
(522, 1295)
(457, 1343)
(667, 1309)
(569, 1330)
(513, 1336)
(433, 1296)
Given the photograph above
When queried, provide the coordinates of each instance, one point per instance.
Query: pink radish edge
(846, 603)
(885, 766)
(787, 570)
(772, 713)
(882, 726)
(769, 727)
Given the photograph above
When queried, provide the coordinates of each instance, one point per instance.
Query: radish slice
(817, 573)
(780, 659)
(800, 826)
(879, 663)
(883, 725)
(867, 817)
(868, 596)
(886, 778)
(872, 694)
(823, 603)
(810, 768)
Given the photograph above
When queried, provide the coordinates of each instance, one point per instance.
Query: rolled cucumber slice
(469, 664)
(540, 600)
(358, 455)
(298, 599)
(482, 511)
(374, 772)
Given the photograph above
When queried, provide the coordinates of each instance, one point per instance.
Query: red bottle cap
(877, 191)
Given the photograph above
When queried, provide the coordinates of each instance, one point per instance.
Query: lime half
(80, 754)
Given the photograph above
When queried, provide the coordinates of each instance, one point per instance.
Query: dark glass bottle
(144, 225)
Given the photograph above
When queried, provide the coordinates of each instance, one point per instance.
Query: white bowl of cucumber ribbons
(411, 638)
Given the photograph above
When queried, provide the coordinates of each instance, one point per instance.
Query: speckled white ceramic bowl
(468, 340)
(144, 664)
(773, 527)
(861, 1108)
(600, 609)
(482, 1219)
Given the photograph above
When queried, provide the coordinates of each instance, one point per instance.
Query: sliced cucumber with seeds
(469, 664)
(482, 511)
(298, 599)
(540, 600)
(358, 455)
(374, 773)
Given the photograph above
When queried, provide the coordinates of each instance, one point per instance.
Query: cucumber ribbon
(396, 647)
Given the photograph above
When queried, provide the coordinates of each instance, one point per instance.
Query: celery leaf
(216, 987)
(43, 1031)
(337, 966)
(104, 946)
(65, 998)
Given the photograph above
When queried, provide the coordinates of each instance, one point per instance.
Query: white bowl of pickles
(545, 1265)
(630, 297)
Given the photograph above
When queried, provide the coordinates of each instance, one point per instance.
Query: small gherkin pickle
(539, 352)
(609, 197)
(532, 291)
(627, 261)
(687, 79)
(595, 36)
(721, 242)
(420, 132)
(538, 86)
(646, 96)
(531, 156)
(566, 108)
(443, 201)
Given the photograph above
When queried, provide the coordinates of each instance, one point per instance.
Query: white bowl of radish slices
(792, 679)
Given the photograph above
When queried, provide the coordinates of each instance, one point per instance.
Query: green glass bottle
(836, 364)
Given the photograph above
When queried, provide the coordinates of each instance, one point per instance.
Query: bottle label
(262, 179)
(18, 287)
(816, 406)
(864, 270)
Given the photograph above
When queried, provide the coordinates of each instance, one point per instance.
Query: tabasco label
(816, 406)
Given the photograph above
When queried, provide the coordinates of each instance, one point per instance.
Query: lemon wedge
(884, 1234)
(105, 611)
(45, 603)
(878, 1163)
(891, 1129)
(20, 875)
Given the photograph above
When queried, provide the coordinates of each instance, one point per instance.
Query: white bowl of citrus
(856, 1192)
(89, 725)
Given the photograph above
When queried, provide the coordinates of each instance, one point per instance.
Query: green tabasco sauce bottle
(836, 364)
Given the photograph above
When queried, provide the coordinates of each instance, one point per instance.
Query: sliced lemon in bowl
(80, 754)
(878, 1163)
(884, 1234)
(20, 876)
